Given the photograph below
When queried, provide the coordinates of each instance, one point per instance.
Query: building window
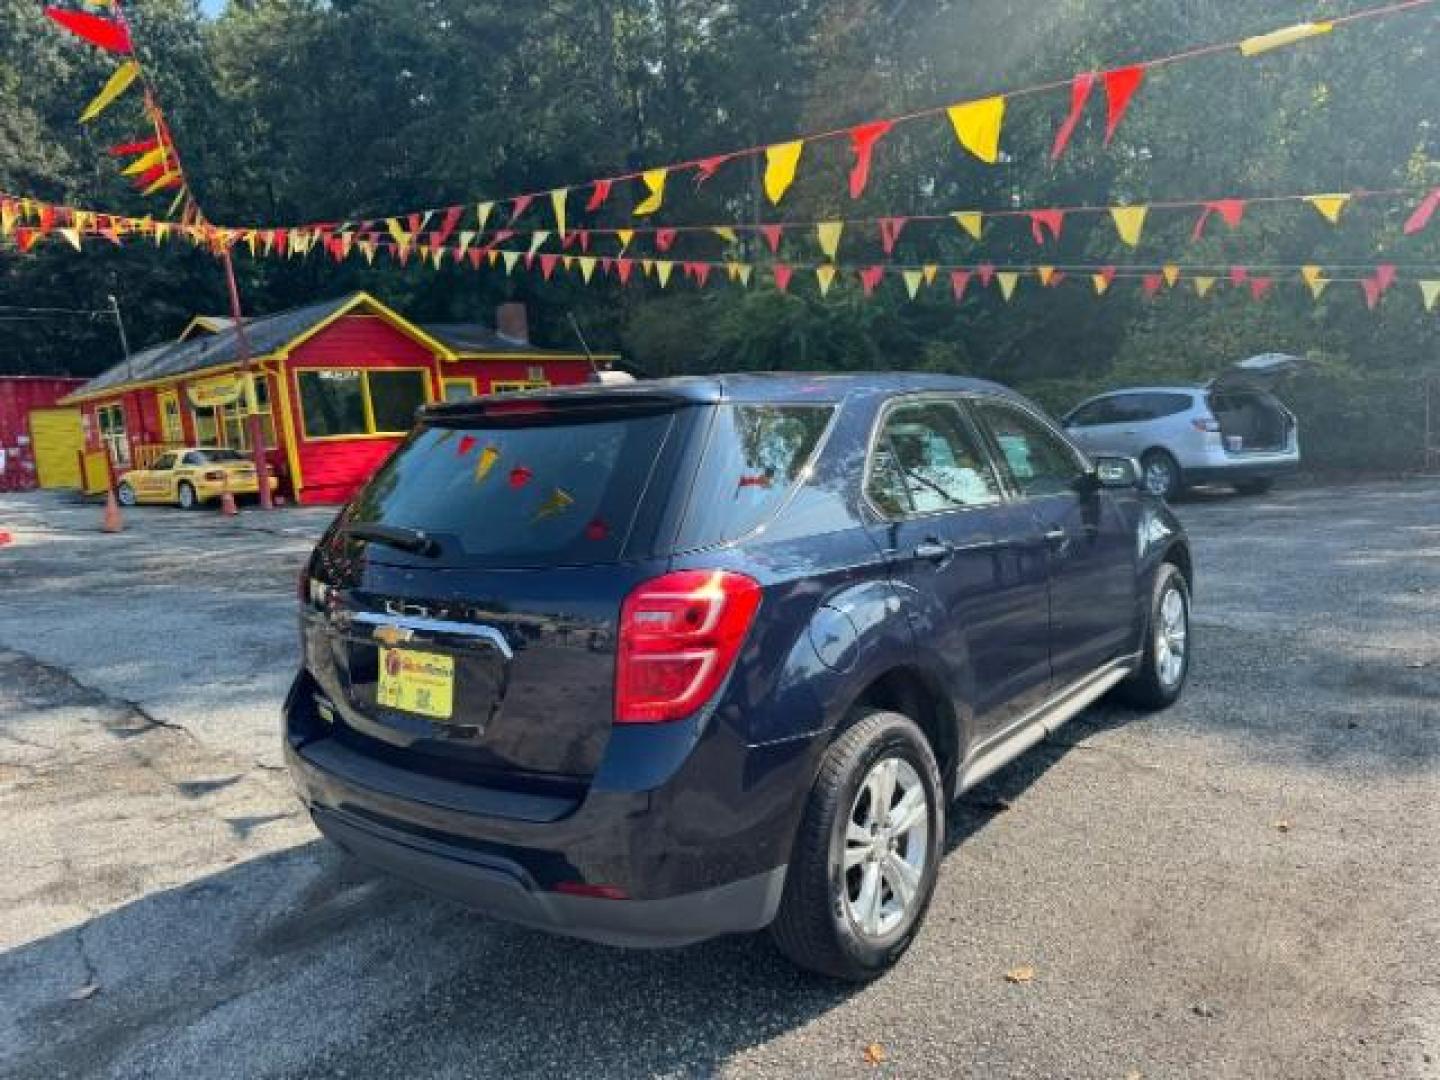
(111, 419)
(172, 427)
(459, 389)
(505, 386)
(236, 422)
(350, 402)
(207, 430)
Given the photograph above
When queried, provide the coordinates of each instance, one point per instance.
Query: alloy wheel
(887, 844)
(1172, 629)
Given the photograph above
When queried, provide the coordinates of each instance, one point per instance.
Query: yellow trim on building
(287, 420)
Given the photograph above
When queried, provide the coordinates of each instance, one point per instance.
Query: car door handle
(1056, 537)
(936, 551)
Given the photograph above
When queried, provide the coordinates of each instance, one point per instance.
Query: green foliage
(289, 111)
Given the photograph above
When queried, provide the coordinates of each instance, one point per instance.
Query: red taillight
(679, 636)
(1207, 423)
(595, 892)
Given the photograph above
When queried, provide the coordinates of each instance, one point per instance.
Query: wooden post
(253, 427)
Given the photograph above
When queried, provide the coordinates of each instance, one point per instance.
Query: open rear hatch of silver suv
(1252, 419)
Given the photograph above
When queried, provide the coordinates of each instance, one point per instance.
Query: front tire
(868, 852)
(186, 497)
(1159, 680)
(1161, 473)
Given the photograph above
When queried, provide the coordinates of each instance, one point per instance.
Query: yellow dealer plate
(417, 682)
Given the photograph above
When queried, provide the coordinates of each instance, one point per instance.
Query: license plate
(417, 682)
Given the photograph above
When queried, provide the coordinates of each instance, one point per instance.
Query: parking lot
(1243, 886)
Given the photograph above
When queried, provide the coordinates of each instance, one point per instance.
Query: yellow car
(191, 477)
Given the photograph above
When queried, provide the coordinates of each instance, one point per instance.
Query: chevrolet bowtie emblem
(392, 635)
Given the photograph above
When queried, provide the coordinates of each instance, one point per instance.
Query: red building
(31, 455)
(335, 384)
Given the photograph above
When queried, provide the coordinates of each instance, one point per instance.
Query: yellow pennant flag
(825, 277)
(1314, 277)
(144, 162)
(7, 218)
(252, 240)
(725, 233)
(662, 271)
(587, 267)
(625, 235)
(1046, 274)
(559, 501)
(114, 86)
(977, 126)
(482, 214)
(913, 280)
(929, 272)
(399, 235)
(161, 184)
(647, 267)
(367, 248)
(84, 219)
(1203, 285)
(162, 232)
(491, 258)
(467, 237)
(1429, 290)
(781, 160)
(511, 258)
(744, 273)
(568, 262)
(557, 201)
(1171, 273)
(485, 461)
(972, 221)
(1129, 222)
(1101, 282)
(1329, 206)
(72, 235)
(829, 234)
(654, 180)
(1008, 279)
(1289, 35)
(537, 238)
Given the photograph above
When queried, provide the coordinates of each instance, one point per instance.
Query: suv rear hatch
(1253, 420)
(462, 612)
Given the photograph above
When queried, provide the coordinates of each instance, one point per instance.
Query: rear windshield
(551, 495)
(753, 460)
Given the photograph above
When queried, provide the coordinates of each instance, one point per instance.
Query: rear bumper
(1238, 469)
(685, 857)
(504, 890)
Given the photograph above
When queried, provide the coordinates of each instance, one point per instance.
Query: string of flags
(977, 125)
(151, 160)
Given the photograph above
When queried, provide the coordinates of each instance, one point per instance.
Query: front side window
(927, 460)
(1036, 460)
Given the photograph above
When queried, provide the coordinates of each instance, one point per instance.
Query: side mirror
(1117, 472)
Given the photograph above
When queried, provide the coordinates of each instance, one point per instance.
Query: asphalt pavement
(1247, 885)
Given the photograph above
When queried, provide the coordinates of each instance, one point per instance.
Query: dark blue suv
(651, 663)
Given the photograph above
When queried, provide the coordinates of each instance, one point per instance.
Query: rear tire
(1158, 682)
(1161, 473)
(1258, 486)
(867, 854)
(125, 494)
(186, 497)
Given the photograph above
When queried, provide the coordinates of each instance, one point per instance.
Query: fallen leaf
(874, 1054)
(1134, 1074)
(81, 993)
(1205, 1009)
(1023, 974)
(1282, 825)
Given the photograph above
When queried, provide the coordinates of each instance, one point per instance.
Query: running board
(1046, 720)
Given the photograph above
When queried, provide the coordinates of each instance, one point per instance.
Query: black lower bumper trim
(505, 891)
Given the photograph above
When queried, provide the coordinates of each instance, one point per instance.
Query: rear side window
(550, 495)
(753, 460)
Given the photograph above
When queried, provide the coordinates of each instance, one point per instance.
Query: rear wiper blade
(396, 536)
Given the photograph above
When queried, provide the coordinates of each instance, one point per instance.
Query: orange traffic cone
(227, 503)
(111, 522)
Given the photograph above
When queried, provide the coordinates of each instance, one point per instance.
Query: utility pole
(124, 342)
(252, 419)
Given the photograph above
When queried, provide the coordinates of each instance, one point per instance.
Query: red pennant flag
(699, 271)
(783, 274)
(1053, 220)
(607, 263)
(413, 223)
(959, 282)
(519, 205)
(772, 234)
(25, 238)
(1080, 90)
(598, 194)
(547, 264)
(862, 144)
(282, 242)
(1151, 284)
(870, 278)
(1423, 213)
(144, 146)
(567, 240)
(986, 273)
(705, 168)
(623, 268)
(401, 253)
(1120, 87)
(1259, 286)
(106, 33)
(1239, 275)
(585, 240)
(1056, 278)
(47, 218)
(1231, 212)
(1376, 285)
(475, 255)
(447, 226)
(1385, 275)
(890, 228)
(664, 239)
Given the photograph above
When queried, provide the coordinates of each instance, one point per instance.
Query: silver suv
(1229, 431)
